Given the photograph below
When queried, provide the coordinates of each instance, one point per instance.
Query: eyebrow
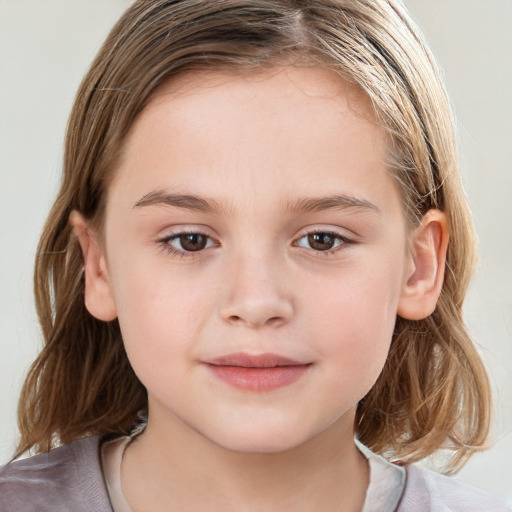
(334, 202)
(184, 201)
(210, 206)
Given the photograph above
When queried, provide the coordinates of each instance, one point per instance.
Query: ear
(425, 275)
(99, 299)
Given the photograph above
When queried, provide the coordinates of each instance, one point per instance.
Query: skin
(257, 147)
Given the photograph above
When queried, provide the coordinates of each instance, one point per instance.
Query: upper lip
(243, 359)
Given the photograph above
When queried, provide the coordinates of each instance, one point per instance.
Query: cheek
(160, 309)
(354, 316)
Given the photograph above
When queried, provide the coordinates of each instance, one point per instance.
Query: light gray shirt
(70, 478)
(387, 481)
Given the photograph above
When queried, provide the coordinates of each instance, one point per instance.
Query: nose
(257, 294)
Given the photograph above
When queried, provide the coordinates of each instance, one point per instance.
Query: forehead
(299, 89)
(278, 130)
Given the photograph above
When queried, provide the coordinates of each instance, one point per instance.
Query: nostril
(273, 321)
(256, 312)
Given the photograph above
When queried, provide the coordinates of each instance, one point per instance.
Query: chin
(266, 439)
(259, 445)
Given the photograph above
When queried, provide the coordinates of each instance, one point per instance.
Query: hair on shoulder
(433, 392)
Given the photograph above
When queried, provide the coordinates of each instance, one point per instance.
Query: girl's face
(256, 255)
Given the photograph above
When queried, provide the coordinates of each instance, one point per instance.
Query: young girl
(259, 252)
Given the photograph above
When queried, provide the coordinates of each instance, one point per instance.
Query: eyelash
(344, 241)
(165, 242)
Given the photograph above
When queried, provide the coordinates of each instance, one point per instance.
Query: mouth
(257, 373)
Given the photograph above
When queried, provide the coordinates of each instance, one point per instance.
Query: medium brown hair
(433, 392)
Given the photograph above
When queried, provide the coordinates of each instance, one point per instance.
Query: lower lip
(259, 380)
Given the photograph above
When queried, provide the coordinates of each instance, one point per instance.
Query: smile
(257, 374)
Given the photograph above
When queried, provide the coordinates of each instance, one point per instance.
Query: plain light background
(46, 47)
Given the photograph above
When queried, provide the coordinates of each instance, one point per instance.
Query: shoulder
(426, 491)
(66, 478)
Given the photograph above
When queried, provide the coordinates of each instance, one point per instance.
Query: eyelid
(177, 231)
(165, 245)
(170, 231)
(347, 240)
(344, 233)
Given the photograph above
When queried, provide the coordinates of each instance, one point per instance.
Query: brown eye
(192, 241)
(186, 243)
(320, 241)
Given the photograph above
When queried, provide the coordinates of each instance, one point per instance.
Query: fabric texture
(428, 491)
(112, 456)
(66, 479)
(70, 478)
(387, 482)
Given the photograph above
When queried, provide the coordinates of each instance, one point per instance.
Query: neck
(172, 464)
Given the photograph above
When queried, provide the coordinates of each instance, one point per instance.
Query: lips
(257, 373)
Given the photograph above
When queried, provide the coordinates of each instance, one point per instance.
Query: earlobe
(99, 299)
(424, 280)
